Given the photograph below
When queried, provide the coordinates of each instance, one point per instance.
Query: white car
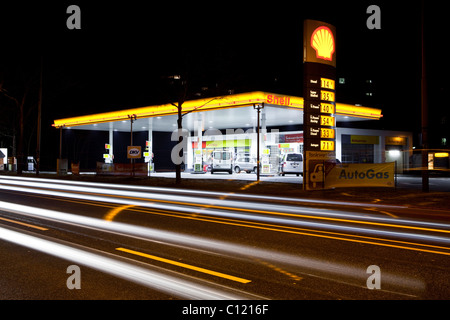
(245, 163)
(291, 163)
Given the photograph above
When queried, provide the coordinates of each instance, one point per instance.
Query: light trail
(139, 201)
(321, 267)
(273, 217)
(141, 198)
(198, 192)
(152, 279)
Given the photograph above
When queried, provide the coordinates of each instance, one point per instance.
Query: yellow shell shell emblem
(322, 41)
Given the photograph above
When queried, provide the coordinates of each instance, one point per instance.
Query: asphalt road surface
(80, 240)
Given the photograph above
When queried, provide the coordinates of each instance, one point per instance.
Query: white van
(222, 161)
(291, 163)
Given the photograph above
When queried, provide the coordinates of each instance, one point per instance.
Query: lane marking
(381, 211)
(114, 212)
(249, 185)
(184, 265)
(278, 269)
(389, 214)
(24, 224)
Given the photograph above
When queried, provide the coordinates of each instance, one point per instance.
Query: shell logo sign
(319, 42)
(322, 40)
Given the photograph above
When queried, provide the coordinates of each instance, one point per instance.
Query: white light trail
(152, 279)
(322, 267)
(100, 191)
(123, 197)
(197, 193)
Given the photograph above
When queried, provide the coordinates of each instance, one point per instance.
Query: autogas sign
(134, 152)
(361, 175)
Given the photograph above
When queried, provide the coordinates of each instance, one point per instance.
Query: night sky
(125, 50)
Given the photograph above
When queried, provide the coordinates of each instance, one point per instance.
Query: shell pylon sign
(319, 104)
(319, 42)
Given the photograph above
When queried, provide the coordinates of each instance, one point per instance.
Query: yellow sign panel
(134, 152)
(327, 133)
(361, 175)
(441, 154)
(326, 145)
(327, 121)
(327, 108)
(327, 83)
(357, 139)
(327, 95)
(228, 143)
(395, 141)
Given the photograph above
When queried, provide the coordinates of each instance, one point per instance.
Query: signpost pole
(258, 111)
(132, 118)
(424, 113)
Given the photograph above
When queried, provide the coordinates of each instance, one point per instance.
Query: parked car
(222, 161)
(291, 163)
(245, 163)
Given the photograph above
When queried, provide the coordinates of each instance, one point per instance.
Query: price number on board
(327, 108)
(327, 121)
(327, 95)
(327, 83)
(326, 145)
(327, 133)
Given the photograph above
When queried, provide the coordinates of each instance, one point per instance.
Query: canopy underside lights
(209, 104)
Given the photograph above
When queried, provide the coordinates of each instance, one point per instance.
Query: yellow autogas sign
(361, 175)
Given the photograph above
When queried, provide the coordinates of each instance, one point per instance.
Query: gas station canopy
(229, 111)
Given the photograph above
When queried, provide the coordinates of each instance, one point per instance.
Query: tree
(182, 90)
(180, 86)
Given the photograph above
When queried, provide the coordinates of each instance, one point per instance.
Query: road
(81, 240)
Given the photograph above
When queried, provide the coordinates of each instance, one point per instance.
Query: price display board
(319, 85)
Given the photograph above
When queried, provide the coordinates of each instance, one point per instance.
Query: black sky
(124, 49)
